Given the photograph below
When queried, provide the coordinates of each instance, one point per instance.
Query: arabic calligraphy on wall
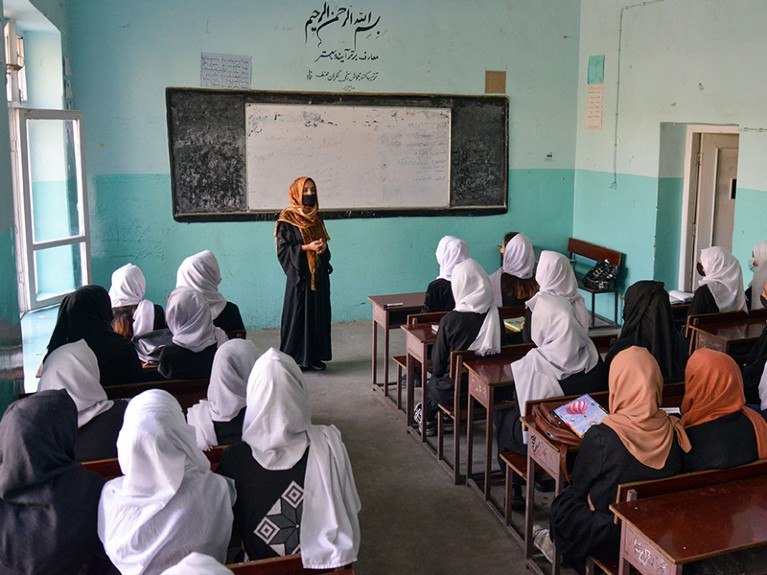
(342, 43)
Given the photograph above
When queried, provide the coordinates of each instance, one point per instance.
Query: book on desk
(514, 324)
(580, 414)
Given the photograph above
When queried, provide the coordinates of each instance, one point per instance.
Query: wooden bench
(579, 250)
(110, 468)
(187, 391)
(288, 565)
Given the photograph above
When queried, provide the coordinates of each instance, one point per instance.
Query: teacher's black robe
(305, 328)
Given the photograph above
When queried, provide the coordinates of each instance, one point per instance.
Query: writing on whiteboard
(224, 71)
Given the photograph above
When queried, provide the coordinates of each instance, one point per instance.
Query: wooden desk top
(409, 301)
(747, 329)
(423, 332)
(496, 369)
(701, 523)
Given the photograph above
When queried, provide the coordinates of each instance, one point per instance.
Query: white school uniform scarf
(150, 518)
(188, 318)
(278, 429)
(232, 365)
(760, 274)
(518, 261)
(74, 368)
(724, 278)
(201, 272)
(128, 288)
(450, 252)
(563, 349)
(198, 564)
(472, 293)
(555, 276)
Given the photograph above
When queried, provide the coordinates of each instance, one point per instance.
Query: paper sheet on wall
(224, 71)
(594, 106)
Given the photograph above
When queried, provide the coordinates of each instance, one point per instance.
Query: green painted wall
(124, 55)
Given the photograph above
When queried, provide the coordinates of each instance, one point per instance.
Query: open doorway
(710, 183)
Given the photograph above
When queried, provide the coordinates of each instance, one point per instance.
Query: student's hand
(315, 246)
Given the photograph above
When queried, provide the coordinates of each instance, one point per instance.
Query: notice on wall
(224, 71)
(594, 106)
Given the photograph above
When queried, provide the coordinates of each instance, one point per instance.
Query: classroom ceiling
(26, 15)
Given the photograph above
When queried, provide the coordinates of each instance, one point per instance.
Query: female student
(647, 322)
(86, 314)
(195, 338)
(302, 249)
(637, 441)
(473, 324)
(513, 283)
(134, 316)
(217, 420)
(439, 295)
(721, 283)
(168, 503)
(758, 266)
(48, 501)
(555, 276)
(201, 272)
(723, 432)
(74, 368)
(291, 475)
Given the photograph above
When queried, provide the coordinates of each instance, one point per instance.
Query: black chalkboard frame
(206, 138)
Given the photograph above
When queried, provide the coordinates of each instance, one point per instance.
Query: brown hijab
(713, 389)
(636, 386)
(305, 218)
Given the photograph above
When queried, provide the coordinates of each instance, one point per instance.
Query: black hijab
(48, 502)
(86, 314)
(648, 323)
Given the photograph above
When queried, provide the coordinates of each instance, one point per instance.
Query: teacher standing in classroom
(302, 249)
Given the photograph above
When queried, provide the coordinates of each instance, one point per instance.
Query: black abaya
(305, 328)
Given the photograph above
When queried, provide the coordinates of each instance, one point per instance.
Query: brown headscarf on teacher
(713, 389)
(636, 387)
(305, 218)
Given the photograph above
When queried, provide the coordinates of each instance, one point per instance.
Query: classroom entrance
(711, 185)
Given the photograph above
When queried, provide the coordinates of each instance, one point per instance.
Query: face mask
(309, 200)
(751, 264)
(701, 273)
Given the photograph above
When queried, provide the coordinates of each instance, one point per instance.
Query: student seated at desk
(48, 501)
(217, 420)
(168, 503)
(134, 316)
(758, 265)
(555, 276)
(291, 474)
(439, 296)
(198, 564)
(474, 324)
(195, 338)
(721, 283)
(647, 322)
(565, 362)
(86, 313)
(514, 282)
(202, 273)
(637, 441)
(723, 432)
(74, 368)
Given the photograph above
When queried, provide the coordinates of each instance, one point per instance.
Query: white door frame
(691, 166)
(26, 244)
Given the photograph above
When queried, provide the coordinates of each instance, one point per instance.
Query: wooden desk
(659, 535)
(730, 337)
(389, 316)
(418, 339)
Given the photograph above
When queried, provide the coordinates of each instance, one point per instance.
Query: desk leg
(386, 351)
(409, 370)
(488, 441)
(469, 437)
(375, 353)
(424, 398)
(529, 506)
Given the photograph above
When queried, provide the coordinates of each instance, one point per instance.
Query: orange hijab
(636, 386)
(305, 218)
(713, 389)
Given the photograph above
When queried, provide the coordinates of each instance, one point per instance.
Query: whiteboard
(360, 157)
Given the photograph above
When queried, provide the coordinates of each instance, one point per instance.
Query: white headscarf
(518, 260)
(472, 293)
(760, 274)
(74, 367)
(151, 517)
(278, 429)
(128, 288)
(563, 349)
(201, 272)
(189, 321)
(555, 276)
(450, 251)
(724, 278)
(232, 365)
(197, 564)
